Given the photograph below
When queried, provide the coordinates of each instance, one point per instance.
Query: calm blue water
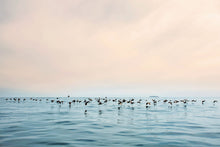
(42, 123)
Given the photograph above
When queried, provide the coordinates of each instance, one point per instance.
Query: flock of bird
(101, 101)
(117, 101)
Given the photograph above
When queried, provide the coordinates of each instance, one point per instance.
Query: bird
(165, 101)
(155, 102)
(148, 103)
(58, 102)
(86, 102)
(176, 101)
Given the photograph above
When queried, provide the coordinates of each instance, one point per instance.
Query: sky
(109, 47)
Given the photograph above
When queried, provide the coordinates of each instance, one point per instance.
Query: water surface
(43, 123)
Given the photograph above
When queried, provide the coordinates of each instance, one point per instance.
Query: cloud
(56, 45)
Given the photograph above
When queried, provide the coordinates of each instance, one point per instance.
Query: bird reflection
(100, 112)
(119, 111)
(147, 107)
(170, 107)
(85, 113)
(69, 107)
(59, 107)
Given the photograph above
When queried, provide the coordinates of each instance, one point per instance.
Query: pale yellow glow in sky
(162, 47)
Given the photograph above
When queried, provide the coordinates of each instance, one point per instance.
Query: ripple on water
(85, 140)
(65, 123)
(57, 143)
(50, 143)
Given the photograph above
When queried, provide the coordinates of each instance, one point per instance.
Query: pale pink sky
(110, 47)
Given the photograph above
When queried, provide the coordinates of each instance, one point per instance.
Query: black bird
(215, 101)
(165, 101)
(86, 102)
(58, 102)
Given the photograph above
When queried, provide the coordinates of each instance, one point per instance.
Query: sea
(39, 122)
